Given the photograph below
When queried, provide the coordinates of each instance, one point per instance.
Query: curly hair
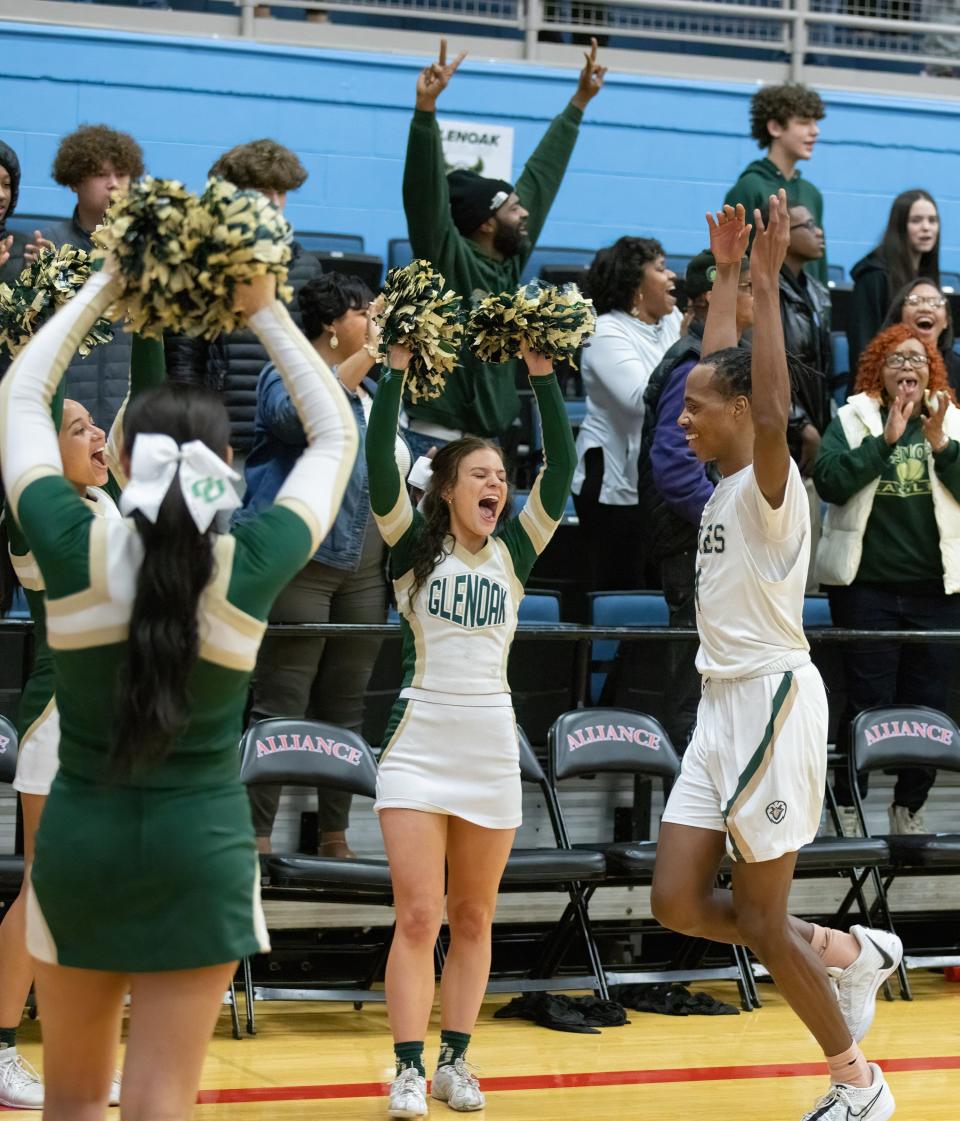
(617, 272)
(325, 298)
(780, 103)
(871, 364)
(83, 153)
(261, 165)
(428, 547)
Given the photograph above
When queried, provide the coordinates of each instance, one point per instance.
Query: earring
(334, 341)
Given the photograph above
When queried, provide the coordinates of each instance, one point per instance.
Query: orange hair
(871, 365)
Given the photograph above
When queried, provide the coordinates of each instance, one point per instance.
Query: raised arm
(148, 369)
(389, 500)
(729, 236)
(770, 395)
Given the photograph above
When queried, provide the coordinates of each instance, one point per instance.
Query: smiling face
(510, 233)
(925, 310)
(797, 137)
(907, 380)
(654, 297)
(478, 497)
(82, 448)
(710, 420)
(351, 331)
(923, 226)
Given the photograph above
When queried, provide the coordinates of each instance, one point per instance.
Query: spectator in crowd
(11, 244)
(95, 162)
(675, 486)
(925, 307)
(783, 120)
(345, 582)
(889, 467)
(910, 248)
(479, 233)
(638, 321)
(231, 363)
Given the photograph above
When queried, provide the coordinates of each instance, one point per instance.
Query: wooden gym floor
(327, 1061)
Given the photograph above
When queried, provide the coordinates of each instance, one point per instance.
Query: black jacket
(805, 311)
(868, 304)
(99, 381)
(231, 363)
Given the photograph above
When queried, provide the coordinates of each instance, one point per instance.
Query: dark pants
(678, 575)
(893, 673)
(614, 536)
(320, 678)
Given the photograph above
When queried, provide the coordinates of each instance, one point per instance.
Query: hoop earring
(334, 341)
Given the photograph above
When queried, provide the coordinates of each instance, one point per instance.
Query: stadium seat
(816, 611)
(399, 252)
(620, 609)
(555, 255)
(836, 274)
(539, 607)
(330, 243)
(950, 281)
(678, 263)
(366, 266)
(28, 223)
(840, 349)
(312, 754)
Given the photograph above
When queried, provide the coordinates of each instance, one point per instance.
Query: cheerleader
(448, 788)
(154, 624)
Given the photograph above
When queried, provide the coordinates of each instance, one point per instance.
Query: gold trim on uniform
(28, 571)
(537, 523)
(40, 720)
(395, 524)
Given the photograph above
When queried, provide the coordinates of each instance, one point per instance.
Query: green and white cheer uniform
(451, 744)
(38, 721)
(157, 871)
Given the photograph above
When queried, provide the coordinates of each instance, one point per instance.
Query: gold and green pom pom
(418, 314)
(40, 290)
(241, 235)
(151, 231)
(552, 321)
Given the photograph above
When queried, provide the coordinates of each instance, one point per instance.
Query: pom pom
(551, 321)
(418, 314)
(153, 231)
(43, 287)
(243, 235)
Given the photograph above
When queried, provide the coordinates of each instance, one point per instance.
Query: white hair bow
(205, 479)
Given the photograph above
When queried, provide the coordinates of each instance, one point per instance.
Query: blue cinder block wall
(653, 155)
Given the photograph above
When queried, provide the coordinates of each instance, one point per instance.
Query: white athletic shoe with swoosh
(857, 985)
(855, 1103)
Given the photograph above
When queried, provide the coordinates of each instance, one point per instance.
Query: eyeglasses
(925, 301)
(810, 225)
(898, 361)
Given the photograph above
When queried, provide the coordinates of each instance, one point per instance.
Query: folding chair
(311, 753)
(11, 865)
(592, 741)
(909, 736)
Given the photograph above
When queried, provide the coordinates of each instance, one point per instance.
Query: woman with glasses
(889, 468)
(910, 247)
(924, 306)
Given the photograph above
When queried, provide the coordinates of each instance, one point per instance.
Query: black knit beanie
(473, 199)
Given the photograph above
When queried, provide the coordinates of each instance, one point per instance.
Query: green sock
(8, 1037)
(453, 1046)
(410, 1055)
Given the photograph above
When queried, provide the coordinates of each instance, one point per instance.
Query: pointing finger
(443, 52)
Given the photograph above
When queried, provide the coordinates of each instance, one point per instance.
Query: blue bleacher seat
(622, 609)
(950, 281)
(576, 411)
(539, 607)
(555, 255)
(816, 612)
(399, 252)
(19, 609)
(836, 274)
(678, 263)
(331, 243)
(840, 349)
(28, 223)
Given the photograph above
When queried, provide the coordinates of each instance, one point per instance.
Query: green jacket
(761, 179)
(479, 399)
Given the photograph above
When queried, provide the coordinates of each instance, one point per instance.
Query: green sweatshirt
(479, 399)
(901, 543)
(761, 179)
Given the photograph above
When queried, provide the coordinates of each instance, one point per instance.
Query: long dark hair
(895, 245)
(163, 644)
(428, 549)
(895, 314)
(617, 272)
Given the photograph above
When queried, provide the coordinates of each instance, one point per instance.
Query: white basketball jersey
(752, 565)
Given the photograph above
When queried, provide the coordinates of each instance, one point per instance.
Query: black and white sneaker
(857, 985)
(855, 1103)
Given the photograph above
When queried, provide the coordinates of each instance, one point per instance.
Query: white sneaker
(20, 1085)
(855, 1103)
(904, 821)
(115, 1090)
(408, 1095)
(880, 954)
(849, 823)
(456, 1085)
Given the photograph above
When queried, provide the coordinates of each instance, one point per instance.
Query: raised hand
(33, 249)
(591, 78)
(933, 422)
(537, 365)
(900, 412)
(729, 234)
(5, 244)
(771, 241)
(433, 79)
(255, 294)
(399, 357)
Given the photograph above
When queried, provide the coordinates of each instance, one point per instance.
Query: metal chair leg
(234, 1012)
(248, 997)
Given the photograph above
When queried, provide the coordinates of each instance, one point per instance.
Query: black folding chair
(311, 753)
(593, 741)
(11, 865)
(909, 736)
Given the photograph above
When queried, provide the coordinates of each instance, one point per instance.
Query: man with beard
(479, 233)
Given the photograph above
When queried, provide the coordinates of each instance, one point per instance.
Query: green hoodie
(479, 399)
(761, 179)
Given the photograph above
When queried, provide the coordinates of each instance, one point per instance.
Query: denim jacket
(278, 440)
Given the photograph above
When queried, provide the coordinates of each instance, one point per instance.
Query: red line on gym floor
(568, 1081)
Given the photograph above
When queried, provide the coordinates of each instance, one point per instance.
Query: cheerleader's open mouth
(490, 508)
(99, 458)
